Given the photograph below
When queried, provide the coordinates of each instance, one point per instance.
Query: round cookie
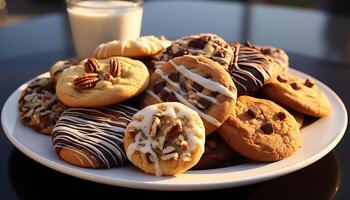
(261, 130)
(298, 94)
(92, 137)
(39, 107)
(249, 69)
(206, 44)
(197, 82)
(61, 65)
(143, 47)
(165, 139)
(217, 154)
(102, 82)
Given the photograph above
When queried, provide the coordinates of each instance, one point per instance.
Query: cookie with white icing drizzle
(39, 107)
(102, 82)
(92, 137)
(165, 139)
(59, 66)
(250, 69)
(197, 82)
(143, 47)
(206, 44)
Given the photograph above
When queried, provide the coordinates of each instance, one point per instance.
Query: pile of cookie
(169, 106)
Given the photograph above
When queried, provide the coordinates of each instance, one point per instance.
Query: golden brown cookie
(261, 130)
(92, 137)
(217, 154)
(102, 82)
(143, 47)
(39, 107)
(165, 139)
(298, 94)
(197, 82)
(61, 65)
(206, 44)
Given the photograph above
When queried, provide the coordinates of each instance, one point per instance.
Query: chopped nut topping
(92, 66)
(86, 81)
(155, 124)
(107, 76)
(174, 129)
(184, 145)
(115, 68)
(138, 118)
(168, 149)
(174, 156)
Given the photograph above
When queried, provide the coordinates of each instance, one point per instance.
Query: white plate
(318, 139)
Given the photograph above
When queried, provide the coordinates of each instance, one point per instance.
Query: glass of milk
(98, 21)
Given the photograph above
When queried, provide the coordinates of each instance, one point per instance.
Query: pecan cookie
(102, 82)
(299, 94)
(61, 65)
(92, 137)
(39, 107)
(197, 82)
(165, 139)
(250, 69)
(261, 130)
(217, 154)
(206, 44)
(143, 47)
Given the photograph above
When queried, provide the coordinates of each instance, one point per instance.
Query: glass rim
(138, 3)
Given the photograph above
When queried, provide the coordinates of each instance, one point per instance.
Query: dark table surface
(317, 43)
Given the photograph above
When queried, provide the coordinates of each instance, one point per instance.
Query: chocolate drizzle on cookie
(250, 69)
(98, 131)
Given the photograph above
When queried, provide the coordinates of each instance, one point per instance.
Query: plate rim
(180, 187)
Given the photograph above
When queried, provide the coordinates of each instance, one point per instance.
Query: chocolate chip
(267, 128)
(253, 111)
(174, 76)
(204, 103)
(172, 97)
(214, 94)
(180, 53)
(281, 115)
(282, 79)
(266, 50)
(158, 87)
(309, 83)
(220, 53)
(163, 95)
(197, 87)
(295, 86)
(199, 43)
(26, 119)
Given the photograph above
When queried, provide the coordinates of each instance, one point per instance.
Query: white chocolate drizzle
(194, 133)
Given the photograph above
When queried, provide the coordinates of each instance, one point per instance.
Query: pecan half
(155, 124)
(86, 81)
(92, 66)
(115, 68)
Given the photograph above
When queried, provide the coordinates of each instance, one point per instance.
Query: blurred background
(12, 11)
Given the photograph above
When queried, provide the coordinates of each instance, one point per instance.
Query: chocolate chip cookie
(39, 107)
(206, 44)
(261, 130)
(299, 94)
